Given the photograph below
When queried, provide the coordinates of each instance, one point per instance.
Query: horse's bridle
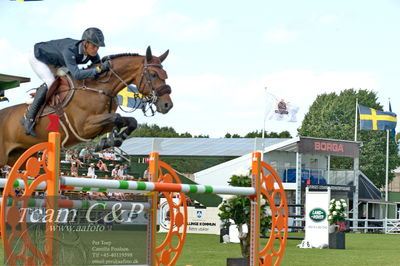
(152, 98)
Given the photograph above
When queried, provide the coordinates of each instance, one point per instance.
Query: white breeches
(42, 70)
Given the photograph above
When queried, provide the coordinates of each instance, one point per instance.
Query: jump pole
(19, 183)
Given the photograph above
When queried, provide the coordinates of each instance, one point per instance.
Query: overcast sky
(224, 53)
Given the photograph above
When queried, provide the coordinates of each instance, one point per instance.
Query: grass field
(361, 249)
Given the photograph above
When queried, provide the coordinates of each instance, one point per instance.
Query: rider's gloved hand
(102, 68)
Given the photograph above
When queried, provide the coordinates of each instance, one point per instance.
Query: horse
(91, 107)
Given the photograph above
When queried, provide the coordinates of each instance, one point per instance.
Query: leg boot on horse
(116, 137)
(29, 120)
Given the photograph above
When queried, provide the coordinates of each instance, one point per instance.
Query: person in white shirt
(114, 172)
(91, 171)
(121, 172)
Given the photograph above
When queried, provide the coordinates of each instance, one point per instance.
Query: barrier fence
(163, 179)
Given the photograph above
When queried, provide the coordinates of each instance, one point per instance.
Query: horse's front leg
(119, 136)
(107, 121)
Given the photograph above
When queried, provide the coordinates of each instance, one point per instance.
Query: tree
(258, 134)
(332, 116)
(145, 130)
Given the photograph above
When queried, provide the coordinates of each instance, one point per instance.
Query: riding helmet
(95, 36)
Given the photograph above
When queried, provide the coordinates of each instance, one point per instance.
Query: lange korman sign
(329, 147)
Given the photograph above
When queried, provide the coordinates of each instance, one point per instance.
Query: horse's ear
(163, 56)
(149, 56)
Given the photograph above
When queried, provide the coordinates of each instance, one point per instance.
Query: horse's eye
(154, 75)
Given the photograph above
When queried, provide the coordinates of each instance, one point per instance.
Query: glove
(105, 66)
(102, 68)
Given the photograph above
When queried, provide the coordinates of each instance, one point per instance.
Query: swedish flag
(130, 97)
(371, 119)
(2, 97)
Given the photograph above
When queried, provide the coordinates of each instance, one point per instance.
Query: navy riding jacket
(65, 53)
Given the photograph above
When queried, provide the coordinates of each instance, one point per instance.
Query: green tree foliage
(332, 116)
(258, 134)
(145, 130)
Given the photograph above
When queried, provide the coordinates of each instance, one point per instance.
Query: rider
(63, 53)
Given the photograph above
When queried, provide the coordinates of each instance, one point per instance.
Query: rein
(145, 77)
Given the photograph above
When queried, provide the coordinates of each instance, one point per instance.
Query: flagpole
(265, 115)
(263, 130)
(387, 178)
(387, 166)
(355, 121)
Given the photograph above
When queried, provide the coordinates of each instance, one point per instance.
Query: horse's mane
(117, 55)
(114, 56)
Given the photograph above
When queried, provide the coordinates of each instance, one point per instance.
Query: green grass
(361, 249)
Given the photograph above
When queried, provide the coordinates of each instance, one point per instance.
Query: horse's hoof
(118, 142)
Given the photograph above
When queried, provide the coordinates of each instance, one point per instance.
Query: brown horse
(91, 110)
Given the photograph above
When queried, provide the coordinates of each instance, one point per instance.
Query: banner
(316, 216)
(200, 220)
(371, 119)
(280, 109)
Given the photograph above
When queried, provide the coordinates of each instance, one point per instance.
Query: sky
(225, 56)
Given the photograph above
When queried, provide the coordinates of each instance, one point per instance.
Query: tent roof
(198, 146)
(9, 82)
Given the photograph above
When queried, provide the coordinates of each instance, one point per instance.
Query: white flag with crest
(280, 109)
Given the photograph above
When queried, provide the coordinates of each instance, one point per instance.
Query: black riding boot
(29, 121)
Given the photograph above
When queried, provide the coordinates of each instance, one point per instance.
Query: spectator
(84, 154)
(5, 170)
(68, 155)
(102, 166)
(121, 172)
(146, 174)
(91, 171)
(125, 170)
(75, 164)
(114, 172)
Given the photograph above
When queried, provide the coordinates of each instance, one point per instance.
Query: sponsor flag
(131, 97)
(371, 119)
(280, 109)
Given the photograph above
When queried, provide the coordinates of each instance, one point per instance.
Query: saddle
(58, 96)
